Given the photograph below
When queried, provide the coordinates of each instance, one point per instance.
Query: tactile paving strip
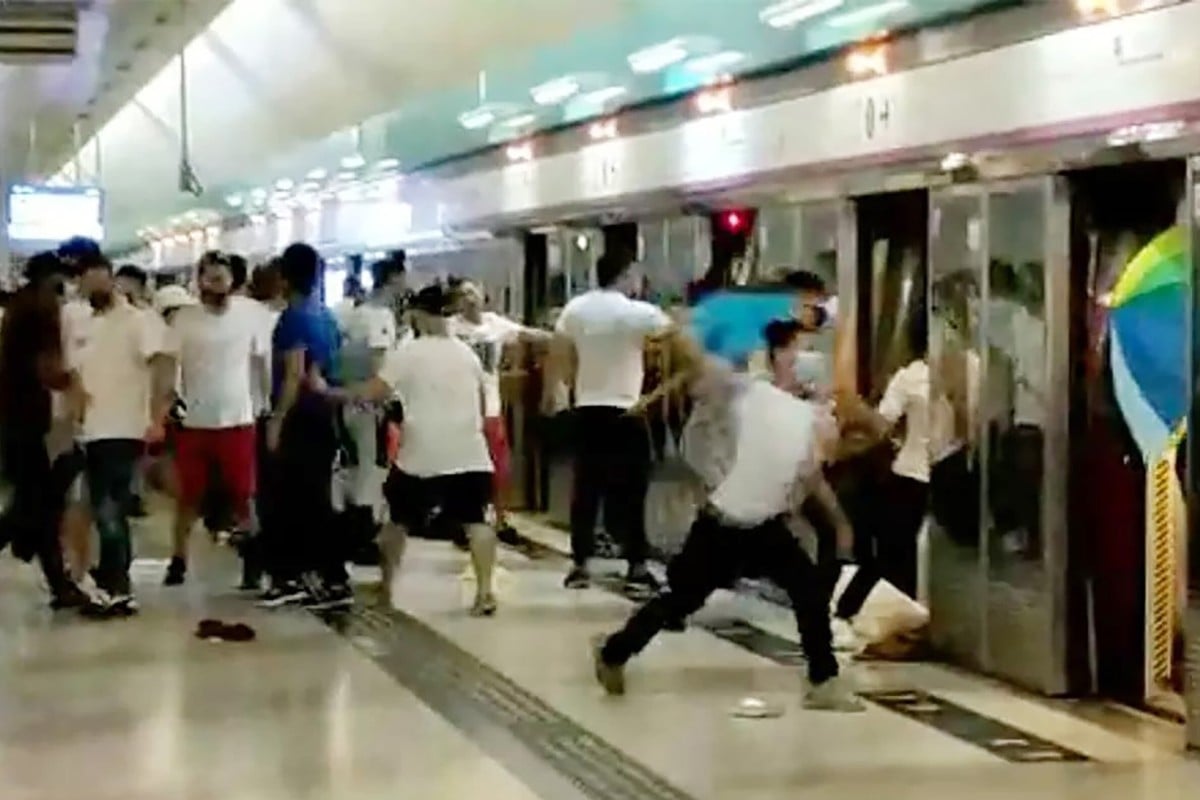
(549, 752)
(998, 738)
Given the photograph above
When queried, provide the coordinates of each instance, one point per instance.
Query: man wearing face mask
(222, 351)
(606, 330)
(127, 373)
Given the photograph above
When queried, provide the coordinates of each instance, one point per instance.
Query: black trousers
(713, 556)
(612, 467)
(885, 546)
(39, 489)
(296, 510)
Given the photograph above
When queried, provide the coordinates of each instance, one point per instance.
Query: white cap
(169, 297)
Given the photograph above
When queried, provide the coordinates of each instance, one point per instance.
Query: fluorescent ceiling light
(717, 62)
(658, 56)
(869, 14)
(353, 162)
(520, 121)
(476, 118)
(388, 163)
(284, 184)
(791, 13)
(234, 201)
(317, 174)
(602, 96)
(555, 91)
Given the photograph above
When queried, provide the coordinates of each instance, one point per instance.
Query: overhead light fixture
(476, 118)
(717, 62)
(519, 152)
(869, 14)
(1098, 8)
(868, 62)
(234, 201)
(600, 97)
(603, 129)
(555, 91)
(658, 57)
(520, 121)
(347, 175)
(952, 162)
(355, 161)
(317, 174)
(258, 195)
(387, 163)
(310, 186)
(715, 101)
(285, 184)
(790, 13)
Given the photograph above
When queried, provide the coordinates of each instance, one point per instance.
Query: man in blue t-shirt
(307, 563)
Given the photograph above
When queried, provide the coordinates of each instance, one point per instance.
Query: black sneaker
(69, 596)
(508, 535)
(578, 578)
(640, 583)
(176, 572)
(331, 598)
(282, 595)
(610, 676)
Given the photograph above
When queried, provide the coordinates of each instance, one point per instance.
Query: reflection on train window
(955, 260)
(1015, 332)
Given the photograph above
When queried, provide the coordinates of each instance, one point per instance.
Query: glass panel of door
(957, 562)
(1019, 521)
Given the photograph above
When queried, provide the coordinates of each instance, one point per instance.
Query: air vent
(32, 31)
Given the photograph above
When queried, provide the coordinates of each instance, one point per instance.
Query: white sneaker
(95, 594)
(834, 694)
(845, 638)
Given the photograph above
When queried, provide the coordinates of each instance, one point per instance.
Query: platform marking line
(930, 710)
(552, 754)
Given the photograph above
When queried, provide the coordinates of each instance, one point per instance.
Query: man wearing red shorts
(488, 333)
(222, 350)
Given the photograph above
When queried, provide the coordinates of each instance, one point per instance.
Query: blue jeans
(111, 464)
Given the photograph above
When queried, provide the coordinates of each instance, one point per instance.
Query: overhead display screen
(52, 214)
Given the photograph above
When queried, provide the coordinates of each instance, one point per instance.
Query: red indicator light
(733, 221)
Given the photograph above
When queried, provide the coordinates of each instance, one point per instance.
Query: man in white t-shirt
(443, 459)
(607, 331)
(488, 334)
(368, 335)
(125, 366)
(742, 529)
(221, 351)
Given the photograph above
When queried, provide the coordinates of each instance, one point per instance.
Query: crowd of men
(390, 412)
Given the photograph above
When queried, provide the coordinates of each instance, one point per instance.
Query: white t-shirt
(367, 329)
(775, 450)
(609, 330)
(907, 398)
(438, 381)
(944, 439)
(112, 359)
(268, 318)
(217, 352)
(487, 339)
(1029, 366)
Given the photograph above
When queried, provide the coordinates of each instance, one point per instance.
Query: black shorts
(461, 498)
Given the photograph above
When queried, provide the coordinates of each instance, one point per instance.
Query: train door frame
(1191, 614)
(977, 616)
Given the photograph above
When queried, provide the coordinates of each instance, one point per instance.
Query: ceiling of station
(280, 88)
(121, 45)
